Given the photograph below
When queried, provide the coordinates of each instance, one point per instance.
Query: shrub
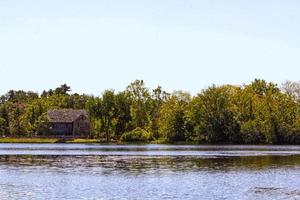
(42, 125)
(252, 133)
(136, 135)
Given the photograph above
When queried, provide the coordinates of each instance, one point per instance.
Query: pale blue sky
(94, 45)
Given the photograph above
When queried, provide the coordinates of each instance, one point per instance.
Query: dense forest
(257, 113)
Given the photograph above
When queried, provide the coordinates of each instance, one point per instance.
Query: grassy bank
(28, 140)
(83, 141)
(74, 141)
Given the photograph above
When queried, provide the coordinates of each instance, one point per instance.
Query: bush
(251, 133)
(136, 135)
(42, 125)
(292, 138)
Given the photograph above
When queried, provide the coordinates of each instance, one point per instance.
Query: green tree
(4, 122)
(41, 125)
(214, 118)
(3, 127)
(158, 97)
(122, 114)
(172, 117)
(94, 107)
(140, 107)
(107, 111)
(62, 90)
(15, 125)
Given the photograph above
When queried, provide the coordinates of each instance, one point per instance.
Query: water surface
(79, 171)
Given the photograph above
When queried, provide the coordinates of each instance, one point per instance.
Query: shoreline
(82, 141)
(9, 140)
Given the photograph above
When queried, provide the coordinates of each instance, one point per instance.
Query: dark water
(96, 172)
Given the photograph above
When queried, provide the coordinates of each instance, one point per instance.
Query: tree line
(257, 113)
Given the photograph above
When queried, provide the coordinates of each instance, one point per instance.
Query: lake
(107, 172)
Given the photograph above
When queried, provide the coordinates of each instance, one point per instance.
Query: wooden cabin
(69, 123)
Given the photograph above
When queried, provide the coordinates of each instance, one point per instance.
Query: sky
(93, 45)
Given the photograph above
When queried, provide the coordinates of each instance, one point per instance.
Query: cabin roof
(65, 115)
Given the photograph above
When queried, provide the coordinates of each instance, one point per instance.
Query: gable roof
(65, 115)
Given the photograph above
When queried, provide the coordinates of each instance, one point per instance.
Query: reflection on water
(146, 150)
(148, 164)
(149, 172)
(275, 192)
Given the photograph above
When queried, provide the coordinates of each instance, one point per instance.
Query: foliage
(140, 105)
(172, 120)
(41, 125)
(256, 113)
(214, 116)
(136, 135)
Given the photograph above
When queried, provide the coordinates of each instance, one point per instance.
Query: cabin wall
(61, 128)
(81, 127)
